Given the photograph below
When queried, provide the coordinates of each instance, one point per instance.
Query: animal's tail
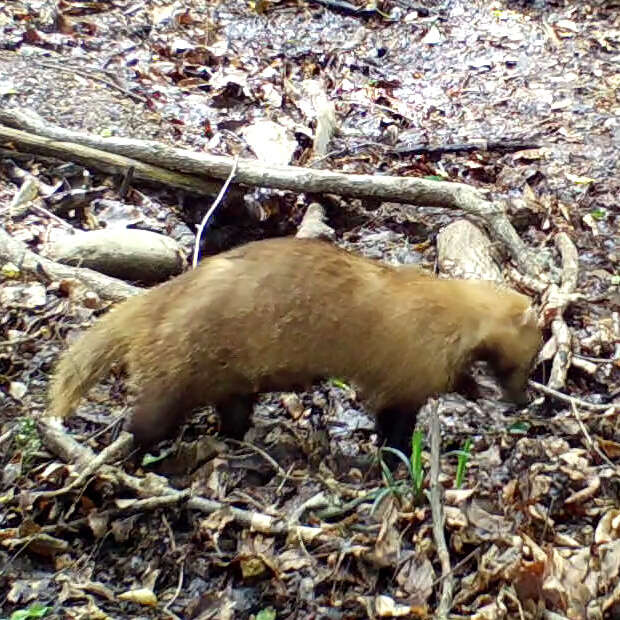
(88, 359)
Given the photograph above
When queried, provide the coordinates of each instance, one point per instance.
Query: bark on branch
(54, 140)
(105, 161)
(15, 251)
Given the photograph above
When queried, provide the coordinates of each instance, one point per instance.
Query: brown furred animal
(279, 314)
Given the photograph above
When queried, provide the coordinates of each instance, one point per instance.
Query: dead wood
(120, 448)
(436, 501)
(527, 283)
(313, 224)
(571, 400)
(325, 114)
(154, 490)
(68, 144)
(464, 251)
(16, 252)
(106, 161)
(501, 146)
(125, 253)
(557, 301)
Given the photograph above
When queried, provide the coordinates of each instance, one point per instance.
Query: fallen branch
(415, 191)
(501, 146)
(64, 445)
(447, 587)
(557, 301)
(527, 282)
(139, 505)
(16, 252)
(256, 521)
(160, 494)
(313, 224)
(119, 449)
(107, 161)
(125, 253)
(571, 400)
(464, 251)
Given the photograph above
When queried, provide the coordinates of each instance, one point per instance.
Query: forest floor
(287, 524)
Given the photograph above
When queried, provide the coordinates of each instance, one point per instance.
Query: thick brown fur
(280, 314)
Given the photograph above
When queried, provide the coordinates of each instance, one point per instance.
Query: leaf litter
(283, 525)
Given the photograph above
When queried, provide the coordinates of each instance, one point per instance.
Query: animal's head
(511, 347)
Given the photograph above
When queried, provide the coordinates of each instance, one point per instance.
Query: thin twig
(173, 546)
(593, 446)
(84, 71)
(595, 360)
(445, 600)
(269, 459)
(560, 299)
(169, 604)
(35, 206)
(24, 545)
(22, 339)
(260, 522)
(469, 556)
(584, 404)
(110, 453)
(211, 210)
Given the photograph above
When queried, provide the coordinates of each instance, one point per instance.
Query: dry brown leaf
(252, 567)
(292, 403)
(458, 496)
(98, 523)
(212, 526)
(494, 611)
(293, 560)
(387, 607)
(592, 489)
(455, 517)
(608, 527)
(610, 448)
(387, 547)
(416, 578)
(488, 525)
(571, 582)
(540, 487)
(142, 596)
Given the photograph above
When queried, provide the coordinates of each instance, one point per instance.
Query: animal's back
(262, 315)
(279, 314)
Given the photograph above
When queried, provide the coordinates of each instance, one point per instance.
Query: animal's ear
(528, 317)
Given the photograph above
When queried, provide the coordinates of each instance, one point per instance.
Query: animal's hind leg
(158, 412)
(235, 413)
